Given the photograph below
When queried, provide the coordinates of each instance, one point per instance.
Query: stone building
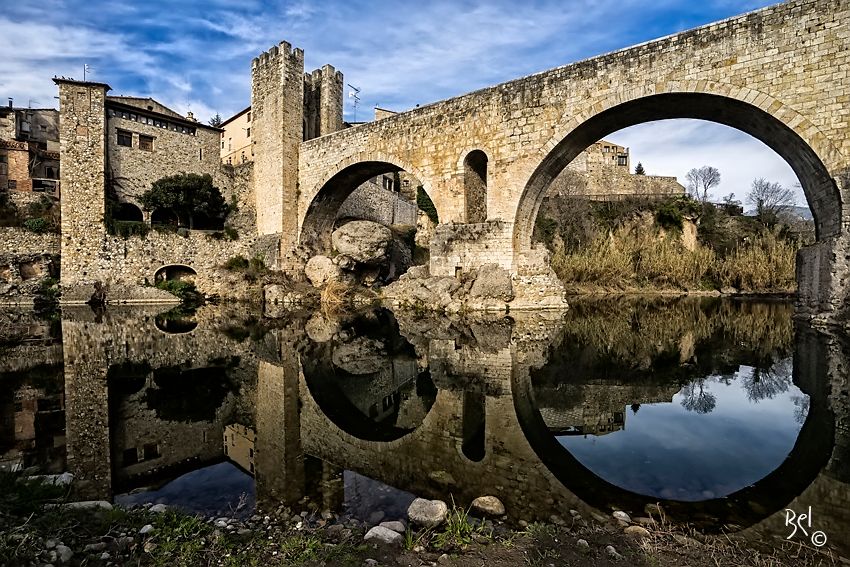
(236, 138)
(29, 149)
(605, 174)
(145, 141)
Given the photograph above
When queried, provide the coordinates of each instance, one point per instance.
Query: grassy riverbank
(35, 528)
(672, 245)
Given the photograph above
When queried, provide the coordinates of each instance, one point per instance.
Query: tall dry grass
(766, 264)
(335, 298)
(645, 259)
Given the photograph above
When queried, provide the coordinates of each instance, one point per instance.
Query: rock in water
(384, 535)
(320, 270)
(427, 513)
(493, 282)
(366, 242)
(488, 506)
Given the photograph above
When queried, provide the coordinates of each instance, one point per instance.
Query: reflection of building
(171, 424)
(596, 408)
(239, 442)
(32, 428)
(582, 421)
(29, 149)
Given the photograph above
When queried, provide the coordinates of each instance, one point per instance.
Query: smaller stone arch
(334, 188)
(175, 272)
(475, 186)
(128, 212)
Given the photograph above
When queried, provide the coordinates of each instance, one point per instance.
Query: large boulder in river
(492, 282)
(364, 241)
(320, 270)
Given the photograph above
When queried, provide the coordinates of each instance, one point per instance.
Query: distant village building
(604, 174)
(29, 149)
(236, 139)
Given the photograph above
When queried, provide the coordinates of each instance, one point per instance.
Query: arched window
(128, 212)
(165, 217)
(475, 186)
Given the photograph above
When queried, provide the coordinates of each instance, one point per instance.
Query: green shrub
(426, 205)
(258, 264)
(237, 264)
(183, 290)
(37, 225)
(126, 229)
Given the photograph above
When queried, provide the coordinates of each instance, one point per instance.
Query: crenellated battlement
(283, 50)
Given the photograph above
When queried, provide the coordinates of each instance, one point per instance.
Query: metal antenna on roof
(354, 94)
(86, 70)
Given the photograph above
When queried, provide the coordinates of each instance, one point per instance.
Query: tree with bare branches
(769, 200)
(701, 180)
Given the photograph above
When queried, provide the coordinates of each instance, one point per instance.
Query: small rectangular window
(248, 131)
(200, 154)
(249, 116)
(151, 451)
(146, 143)
(125, 138)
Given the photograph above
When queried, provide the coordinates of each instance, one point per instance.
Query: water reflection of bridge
(120, 374)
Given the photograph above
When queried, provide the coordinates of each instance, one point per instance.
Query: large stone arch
(327, 196)
(812, 156)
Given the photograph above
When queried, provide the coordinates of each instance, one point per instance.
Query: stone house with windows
(29, 149)
(145, 141)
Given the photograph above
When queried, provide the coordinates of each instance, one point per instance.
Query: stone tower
(322, 102)
(82, 135)
(277, 105)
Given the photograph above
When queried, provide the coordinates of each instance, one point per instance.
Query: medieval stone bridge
(779, 74)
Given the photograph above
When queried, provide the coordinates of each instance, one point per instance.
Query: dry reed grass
(642, 259)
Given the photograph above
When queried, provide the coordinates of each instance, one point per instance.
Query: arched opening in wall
(175, 272)
(200, 221)
(475, 186)
(395, 221)
(474, 408)
(165, 218)
(594, 190)
(365, 379)
(128, 212)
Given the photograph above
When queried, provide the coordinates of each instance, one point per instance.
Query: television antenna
(354, 94)
(86, 71)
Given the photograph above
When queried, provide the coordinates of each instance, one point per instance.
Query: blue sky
(197, 55)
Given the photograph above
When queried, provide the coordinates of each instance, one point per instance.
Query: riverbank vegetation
(677, 244)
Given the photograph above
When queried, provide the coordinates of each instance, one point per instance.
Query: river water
(725, 412)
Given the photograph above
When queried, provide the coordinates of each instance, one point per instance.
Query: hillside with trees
(684, 243)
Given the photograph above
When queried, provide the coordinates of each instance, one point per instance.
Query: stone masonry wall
(457, 248)
(372, 202)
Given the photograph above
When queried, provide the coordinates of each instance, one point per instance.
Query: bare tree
(697, 398)
(769, 200)
(701, 181)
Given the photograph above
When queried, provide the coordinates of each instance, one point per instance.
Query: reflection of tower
(278, 458)
(87, 410)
